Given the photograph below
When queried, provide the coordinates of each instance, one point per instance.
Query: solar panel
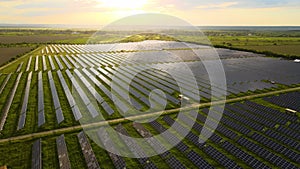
(174, 163)
(28, 64)
(41, 118)
(198, 160)
(76, 112)
(72, 61)
(9, 101)
(57, 107)
(19, 67)
(44, 63)
(36, 63)
(88, 152)
(221, 158)
(103, 136)
(62, 151)
(61, 67)
(66, 62)
(247, 158)
(25, 103)
(107, 108)
(51, 63)
(37, 154)
(132, 145)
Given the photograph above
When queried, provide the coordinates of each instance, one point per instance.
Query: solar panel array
(288, 100)
(249, 134)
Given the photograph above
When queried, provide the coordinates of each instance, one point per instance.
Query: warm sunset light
(150, 84)
(122, 4)
(91, 12)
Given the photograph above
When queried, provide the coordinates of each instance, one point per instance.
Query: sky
(196, 12)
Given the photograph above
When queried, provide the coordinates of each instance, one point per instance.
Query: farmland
(57, 88)
(7, 54)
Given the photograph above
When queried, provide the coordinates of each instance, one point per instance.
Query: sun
(123, 4)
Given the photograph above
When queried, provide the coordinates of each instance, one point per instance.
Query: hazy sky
(197, 12)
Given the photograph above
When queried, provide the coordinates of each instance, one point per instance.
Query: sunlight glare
(123, 4)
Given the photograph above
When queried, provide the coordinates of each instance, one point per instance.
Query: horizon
(90, 26)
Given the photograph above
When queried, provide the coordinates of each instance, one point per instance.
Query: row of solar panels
(163, 83)
(25, 103)
(288, 143)
(287, 100)
(62, 152)
(229, 145)
(55, 98)
(282, 162)
(78, 61)
(9, 101)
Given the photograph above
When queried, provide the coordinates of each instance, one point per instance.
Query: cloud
(220, 5)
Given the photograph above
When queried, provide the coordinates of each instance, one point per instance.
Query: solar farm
(41, 115)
